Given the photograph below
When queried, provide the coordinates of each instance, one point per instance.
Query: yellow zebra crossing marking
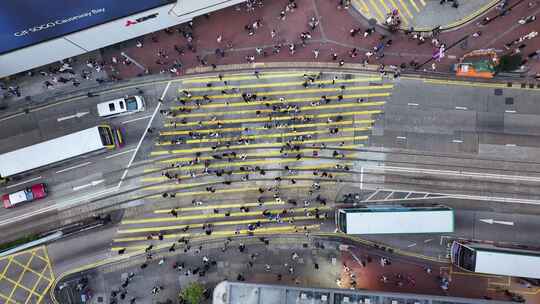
(276, 101)
(226, 130)
(261, 145)
(219, 215)
(200, 225)
(260, 136)
(262, 75)
(414, 6)
(273, 118)
(260, 231)
(299, 91)
(235, 164)
(277, 84)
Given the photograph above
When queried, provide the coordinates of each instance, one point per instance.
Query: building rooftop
(245, 293)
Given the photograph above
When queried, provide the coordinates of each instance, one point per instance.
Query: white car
(122, 106)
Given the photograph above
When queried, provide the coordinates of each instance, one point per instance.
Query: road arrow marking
(492, 221)
(77, 115)
(92, 184)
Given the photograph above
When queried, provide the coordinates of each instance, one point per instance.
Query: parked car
(32, 193)
(121, 106)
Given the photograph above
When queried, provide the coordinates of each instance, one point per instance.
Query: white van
(122, 106)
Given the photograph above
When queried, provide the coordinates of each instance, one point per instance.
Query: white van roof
(112, 107)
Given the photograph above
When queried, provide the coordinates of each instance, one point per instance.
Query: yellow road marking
(221, 165)
(378, 11)
(244, 76)
(200, 225)
(422, 2)
(300, 91)
(223, 130)
(224, 206)
(362, 7)
(277, 84)
(262, 75)
(406, 8)
(226, 191)
(169, 186)
(280, 229)
(261, 154)
(218, 215)
(403, 17)
(274, 101)
(262, 145)
(475, 84)
(260, 136)
(414, 5)
(204, 78)
(386, 8)
(303, 108)
(274, 118)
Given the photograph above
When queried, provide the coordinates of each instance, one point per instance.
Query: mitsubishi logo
(131, 22)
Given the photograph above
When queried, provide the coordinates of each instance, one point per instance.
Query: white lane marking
(92, 184)
(76, 115)
(461, 108)
(144, 135)
(411, 245)
(26, 215)
(454, 173)
(457, 141)
(85, 197)
(24, 182)
(74, 167)
(510, 111)
(401, 137)
(12, 116)
(412, 104)
(136, 119)
(427, 241)
(361, 178)
(492, 221)
(510, 145)
(121, 153)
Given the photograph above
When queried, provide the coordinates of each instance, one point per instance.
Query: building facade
(35, 33)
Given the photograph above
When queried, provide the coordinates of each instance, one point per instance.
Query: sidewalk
(405, 274)
(330, 40)
(424, 15)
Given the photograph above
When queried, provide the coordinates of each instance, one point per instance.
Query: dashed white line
(412, 104)
(401, 137)
(510, 111)
(136, 119)
(24, 182)
(74, 167)
(411, 245)
(427, 241)
(457, 141)
(510, 145)
(121, 153)
(461, 108)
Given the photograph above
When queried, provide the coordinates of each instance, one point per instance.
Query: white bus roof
(373, 222)
(510, 264)
(49, 152)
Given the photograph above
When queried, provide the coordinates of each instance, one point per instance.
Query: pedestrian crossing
(248, 154)
(378, 9)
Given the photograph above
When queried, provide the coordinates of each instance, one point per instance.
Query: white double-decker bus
(486, 258)
(27, 159)
(388, 219)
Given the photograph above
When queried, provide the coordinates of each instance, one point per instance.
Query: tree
(192, 294)
(509, 63)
